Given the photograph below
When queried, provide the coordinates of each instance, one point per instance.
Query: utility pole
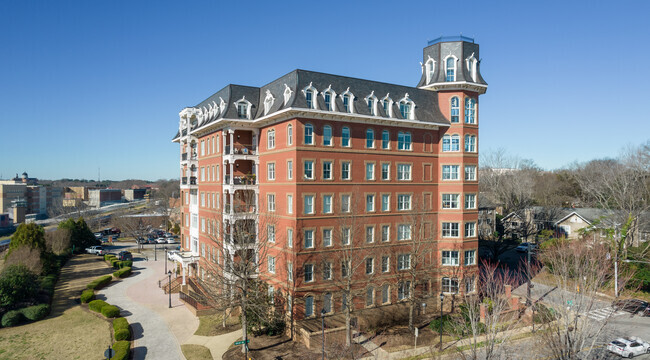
(616, 261)
(528, 301)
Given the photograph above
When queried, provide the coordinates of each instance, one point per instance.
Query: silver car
(629, 347)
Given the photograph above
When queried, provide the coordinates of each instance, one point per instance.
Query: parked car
(98, 235)
(629, 347)
(97, 250)
(124, 256)
(151, 241)
(161, 240)
(171, 241)
(633, 306)
(523, 247)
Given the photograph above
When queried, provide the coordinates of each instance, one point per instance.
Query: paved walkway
(157, 329)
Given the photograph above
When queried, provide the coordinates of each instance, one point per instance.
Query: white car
(161, 240)
(97, 250)
(523, 247)
(629, 347)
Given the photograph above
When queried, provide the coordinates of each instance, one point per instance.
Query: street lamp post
(322, 316)
(166, 257)
(169, 291)
(442, 298)
(155, 257)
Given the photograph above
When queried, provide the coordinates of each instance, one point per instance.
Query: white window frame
(370, 202)
(470, 201)
(404, 172)
(370, 171)
(407, 108)
(344, 171)
(449, 285)
(371, 101)
(404, 232)
(324, 165)
(403, 202)
(270, 171)
(327, 135)
(450, 230)
(385, 233)
(350, 97)
(346, 136)
(370, 138)
(469, 257)
(450, 172)
(385, 142)
(327, 237)
(289, 169)
(470, 143)
(289, 135)
(313, 92)
(308, 133)
(332, 95)
(387, 104)
(270, 139)
(470, 230)
(450, 201)
(385, 200)
(308, 169)
(271, 264)
(470, 110)
(385, 264)
(470, 172)
(270, 201)
(268, 102)
(309, 238)
(403, 262)
(450, 257)
(451, 78)
(327, 205)
(404, 141)
(308, 204)
(454, 115)
(310, 272)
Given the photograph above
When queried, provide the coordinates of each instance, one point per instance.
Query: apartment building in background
(314, 149)
(37, 198)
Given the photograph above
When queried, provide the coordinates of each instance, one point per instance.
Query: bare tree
(58, 241)
(136, 225)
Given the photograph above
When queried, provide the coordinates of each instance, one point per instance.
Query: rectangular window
(309, 132)
(270, 139)
(327, 271)
(370, 266)
(470, 229)
(345, 203)
(345, 137)
(403, 232)
(370, 139)
(450, 172)
(470, 173)
(403, 261)
(449, 285)
(370, 234)
(404, 140)
(345, 269)
(385, 294)
(470, 257)
(270, 201)
(309, 204)
(327, 237)
(309, 300)
(270, 171)
(385, 264)
(327, 170)
(450, 201)
(385, 171)
(327, 303)
(290, 271)
(385, 202)
(345, 236)
(309, 273)
(290, 238)
(327, 204)
(202, 148)
(327, 135)
(450, 257)
(345, 170)
(385, 140)
(370, 202)
(370, 296)
(202, 174)
(385, 233)
(469, 285)
(450, 229)
(309, 239)
(202, 224)
(289, 134)
(270, 233)
(470, 201)
(289, 204)
(370, 171)
(403, 202)
(290, 169)
(271, 262)
(202, 199)
(403, 171)
(309, 169)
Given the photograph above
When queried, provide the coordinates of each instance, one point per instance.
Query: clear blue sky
(99, 84)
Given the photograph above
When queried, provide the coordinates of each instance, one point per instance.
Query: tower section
(451, 68)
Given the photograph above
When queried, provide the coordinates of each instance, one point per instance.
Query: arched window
(329, 96)
(371, 100)
(243, 108)
(446, 143)
(470, 143)
(387, 104)
(385, 139)
(470, 111)
(429, 68)
(348, 101)
(309, 134)
(327, 135)
(455, 109)
(450, 68)
(345, 136)
(310, 96)
(289, 134)
(406, 106)
(370, 138)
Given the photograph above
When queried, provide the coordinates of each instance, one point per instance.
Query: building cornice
(456, 85)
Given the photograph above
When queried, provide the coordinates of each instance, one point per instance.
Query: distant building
(37, 197)
(134, 194)
(5, 220)
(103, 197)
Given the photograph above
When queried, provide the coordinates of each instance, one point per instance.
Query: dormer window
(387, 104)
(406, 106)
(268, 102)
(287, 94)
(348, 98)
(243, 108)
(450, 68)
(310, 96)
(429, 68)
(371, 100)
(328, 96)
(471, 64)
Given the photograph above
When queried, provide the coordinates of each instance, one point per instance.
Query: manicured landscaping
(196, 352)
(211, 325)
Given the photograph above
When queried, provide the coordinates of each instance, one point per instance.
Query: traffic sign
(109, 353)
(242, 342)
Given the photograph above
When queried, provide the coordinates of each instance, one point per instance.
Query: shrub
(17, 284)
(120, 323)
(106, 256)
(122, 334)
(114, 262)
(48, 282)
(122, 350)
(99, 282)
(126, 263)
(110, 311)
(97, 305)
(87, 296)
(36, 312)
(122, 273)
(12, 318)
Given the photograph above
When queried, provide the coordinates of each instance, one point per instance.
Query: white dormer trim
(372, 98)
(311, 88)
(268, 101)
(471, 64)
(455, 67)
(332, 94)
(347, 92)
(222, 105)
(287, 94)
(411, 107)
(429, 69)
(390, 104)
(248, 105)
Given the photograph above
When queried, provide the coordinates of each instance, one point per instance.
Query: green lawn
(196, 352)
(210, 325)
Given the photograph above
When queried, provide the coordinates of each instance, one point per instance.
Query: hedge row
(122, 350)
(122, 264)
(101, 306)
(31, 313)
(87, 296)
(121, 329)
(97, 305)
(99, 282)
(122, 273)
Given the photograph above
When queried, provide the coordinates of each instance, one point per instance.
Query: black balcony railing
(184, 156)
(192, 180)
(241, 180)
(184, 180)
(241, 209)
(240, 150)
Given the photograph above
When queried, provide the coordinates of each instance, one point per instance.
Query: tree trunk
(348, 335)
(244, 325)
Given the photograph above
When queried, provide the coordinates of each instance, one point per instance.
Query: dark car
(633, 306)
(124, 256)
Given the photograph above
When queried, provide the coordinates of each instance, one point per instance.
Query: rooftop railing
(451, 38)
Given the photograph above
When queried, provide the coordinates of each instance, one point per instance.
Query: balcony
(184, 180)
(240, 150)
(241, 180)
(184, 157)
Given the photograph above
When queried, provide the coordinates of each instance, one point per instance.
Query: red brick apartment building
(314, 150)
